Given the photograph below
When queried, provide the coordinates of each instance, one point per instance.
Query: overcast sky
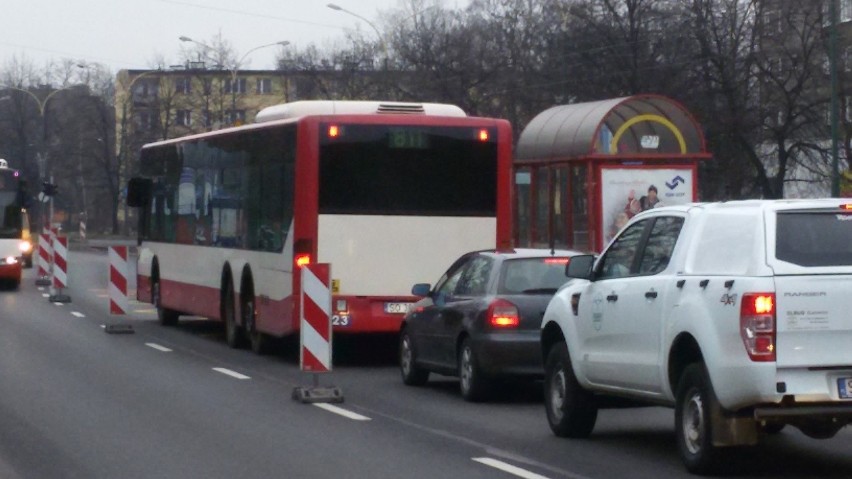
(133, 33)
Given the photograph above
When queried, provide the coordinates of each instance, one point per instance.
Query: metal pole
(835, 129)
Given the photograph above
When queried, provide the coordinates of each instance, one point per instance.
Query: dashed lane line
(233, 374)
(78, 314)
(342, 412)
(506, 467)
(158, 347)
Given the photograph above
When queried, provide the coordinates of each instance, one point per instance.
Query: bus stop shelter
(582, 170)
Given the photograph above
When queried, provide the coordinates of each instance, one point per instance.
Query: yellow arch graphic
(648, 117)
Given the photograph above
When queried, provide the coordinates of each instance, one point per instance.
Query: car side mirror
(580, 266)
(421, 289)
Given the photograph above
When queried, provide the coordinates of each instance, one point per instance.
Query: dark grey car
(482, 319)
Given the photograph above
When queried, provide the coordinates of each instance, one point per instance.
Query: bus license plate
(844, 387)
(397, 308)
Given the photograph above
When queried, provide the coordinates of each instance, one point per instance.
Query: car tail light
(503, 314)
(757, 325)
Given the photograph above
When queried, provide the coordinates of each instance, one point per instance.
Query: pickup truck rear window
(814, 238)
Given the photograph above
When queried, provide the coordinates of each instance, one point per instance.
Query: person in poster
(650, 200)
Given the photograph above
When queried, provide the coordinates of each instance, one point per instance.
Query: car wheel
(233, 333)
(571, 410)
(166, 316)
(261, 344)
(473, 384)
(693, 421)
(412, 375)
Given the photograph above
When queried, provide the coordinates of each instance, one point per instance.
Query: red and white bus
(15, 240)
(387, 193)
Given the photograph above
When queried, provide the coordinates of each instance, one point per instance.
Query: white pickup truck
(737, 314)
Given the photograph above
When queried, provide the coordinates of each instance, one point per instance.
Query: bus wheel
(260, 343)
(167, 317)
(233, 333)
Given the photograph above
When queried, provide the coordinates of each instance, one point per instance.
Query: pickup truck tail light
(503, 315)
(757, 325)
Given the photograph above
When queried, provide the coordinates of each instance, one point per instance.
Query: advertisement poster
(627, 191)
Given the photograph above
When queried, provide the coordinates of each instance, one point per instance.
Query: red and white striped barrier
(315, 327)
(118, 271)
(44, 256)
(60, 270)
(60, 262)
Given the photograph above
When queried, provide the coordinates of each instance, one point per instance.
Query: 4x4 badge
(729, 299)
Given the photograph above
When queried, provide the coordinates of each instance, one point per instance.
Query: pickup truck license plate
(397, 308)
(844, 387)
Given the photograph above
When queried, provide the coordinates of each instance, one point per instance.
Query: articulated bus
(388, 194)
(15, 241)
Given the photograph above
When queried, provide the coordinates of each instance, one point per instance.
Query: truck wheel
(693, 421)
(571, 410)
(473, 384)
(166, 316)
(412, 375)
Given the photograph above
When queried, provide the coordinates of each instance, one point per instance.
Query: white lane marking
(59, 304)
(342, 412)
(514, 470)
(41, 288)
(78, 314)
(45, 295)
(158, 347)
(233, 374)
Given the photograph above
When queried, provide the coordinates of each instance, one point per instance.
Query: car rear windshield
(532, 275)
(814, 238)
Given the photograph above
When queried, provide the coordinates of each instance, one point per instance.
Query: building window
(207, 118)
(144, 121)
(235, 87)
(264, 86)
(183, 85)
(208, 86)
(183, 118)
(235, 117)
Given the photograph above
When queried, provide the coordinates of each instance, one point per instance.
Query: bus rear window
(814, 238)
(408, 170)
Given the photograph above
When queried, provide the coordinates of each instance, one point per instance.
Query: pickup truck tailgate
(814, 315)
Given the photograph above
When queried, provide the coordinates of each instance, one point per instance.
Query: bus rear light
(847, 207)
(757, 325)
(483, 135)
(303, 259)
(333, 131)
(503, 314)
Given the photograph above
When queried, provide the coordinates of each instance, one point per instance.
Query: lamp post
(381, 37)
(236, 69)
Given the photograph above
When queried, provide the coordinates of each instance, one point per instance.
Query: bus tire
(166, 316)
(233, 333)
(261, 344)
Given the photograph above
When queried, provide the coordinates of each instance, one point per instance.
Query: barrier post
(60, 270)
(44, 258)
(118, 300)
(315, 351)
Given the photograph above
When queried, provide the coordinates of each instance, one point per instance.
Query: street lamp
(236, 69)
(381, 37)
